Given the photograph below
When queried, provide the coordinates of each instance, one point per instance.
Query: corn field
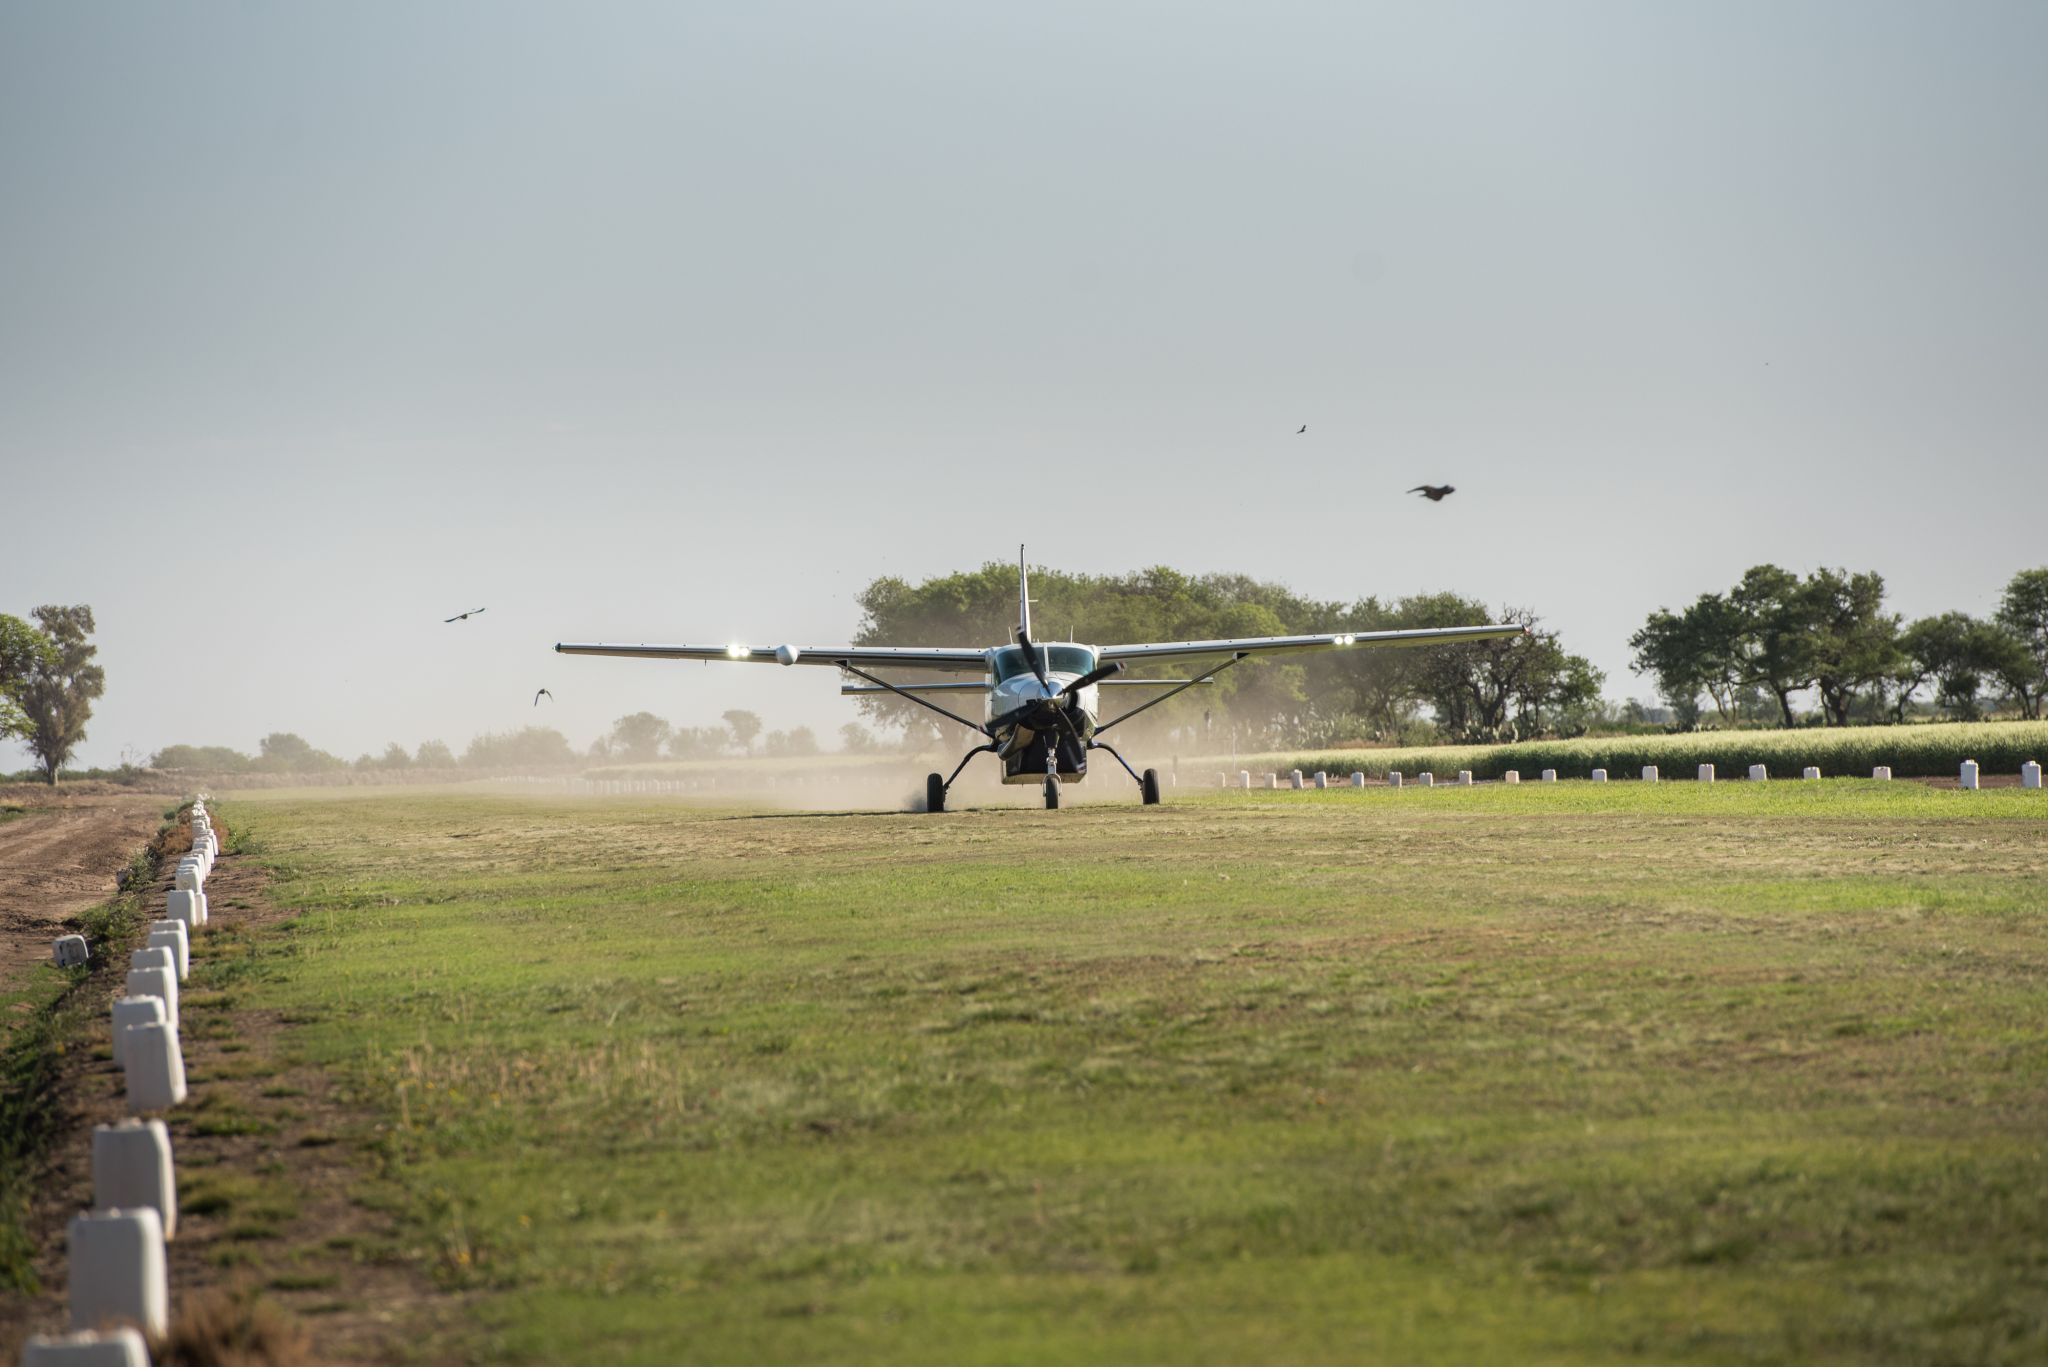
(1912, 752)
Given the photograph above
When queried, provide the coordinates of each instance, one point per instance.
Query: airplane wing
(1340, 640)
(943, 658)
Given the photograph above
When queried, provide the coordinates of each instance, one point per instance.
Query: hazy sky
(667, 321)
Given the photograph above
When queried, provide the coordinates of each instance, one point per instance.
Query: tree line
(1477, 692)
(639, 738)
(1748, 652)
(48, 682)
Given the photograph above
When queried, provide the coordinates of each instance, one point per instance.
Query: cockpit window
(1010, 661)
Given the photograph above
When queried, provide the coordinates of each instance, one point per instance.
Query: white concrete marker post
(174, 925)
(131, 1167)
(155, 956)
(1244, 776)
(189, 877)
(1393, 778)
(1464, 778)
(1511, 776)
(1358, 778)
(1809, 772)
(1882, 772)
(1599, 776)
(1706, 773)
(1272, 781)
(86, 1348)
(1758, 773)
(1549, 776)
(181, 954)
(69, 951)
(1426, 779)
(1649, 773)
(156, 982)
(2030, 775)
(1294, 780)
(117, 1271)
(1967, 780)
(1322, 779)
(135, 1011)
(155, 1065)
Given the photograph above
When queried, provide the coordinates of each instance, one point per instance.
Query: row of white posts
(119, 1275)
(2030, 777)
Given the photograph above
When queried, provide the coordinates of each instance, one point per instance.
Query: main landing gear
(1148, 783)
(1149, 789)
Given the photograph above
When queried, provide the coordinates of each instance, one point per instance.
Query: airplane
(1041, 704)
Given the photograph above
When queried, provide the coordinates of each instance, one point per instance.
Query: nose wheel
(934, 793)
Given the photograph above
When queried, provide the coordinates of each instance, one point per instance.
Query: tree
(1776, 645)
(532, 747)
(1854, 643)
(2023, 612)
(23, 650)
(433, 754)
(58, 692)
(285, 752)
(745, 726)
(855, 739)
(218, 759)
(797, 742)
(1671, 648)
(697, 742)
(394, 757)
(638, 738)
(1957, 651)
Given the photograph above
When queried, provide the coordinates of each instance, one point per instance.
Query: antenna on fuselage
(1023, 595)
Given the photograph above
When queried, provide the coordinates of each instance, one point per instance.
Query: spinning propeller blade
(1031, 655)
(1093, 676)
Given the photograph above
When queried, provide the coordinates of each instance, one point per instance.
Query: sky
(664, 321)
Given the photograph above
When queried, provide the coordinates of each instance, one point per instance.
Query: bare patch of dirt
(278, 1195)
(62, 855)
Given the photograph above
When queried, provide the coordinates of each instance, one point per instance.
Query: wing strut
(950, 716)
(1198, 679)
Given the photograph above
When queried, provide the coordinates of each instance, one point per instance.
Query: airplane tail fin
(1023, 595)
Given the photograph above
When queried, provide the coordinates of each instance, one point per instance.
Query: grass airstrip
(1561, 1073)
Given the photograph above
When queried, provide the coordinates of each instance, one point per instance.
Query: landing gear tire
(1052, 793)
(1149, 786)
(934, 793)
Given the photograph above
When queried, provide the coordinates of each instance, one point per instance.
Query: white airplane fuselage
(1012, 685)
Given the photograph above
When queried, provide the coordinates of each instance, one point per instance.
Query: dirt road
(59, 857)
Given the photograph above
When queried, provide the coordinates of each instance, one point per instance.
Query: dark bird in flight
(461, 616)
(542, 694)
(1435, 493)
(1304, 428)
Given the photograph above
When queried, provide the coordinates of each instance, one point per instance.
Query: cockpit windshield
(1010, 661)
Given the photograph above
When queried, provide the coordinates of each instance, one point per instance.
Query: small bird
(1304, 428)
(461, 616)
(542, 694)
(1435, 493)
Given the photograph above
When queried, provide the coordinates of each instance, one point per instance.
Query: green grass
(1554, 1074)
(1917, 751)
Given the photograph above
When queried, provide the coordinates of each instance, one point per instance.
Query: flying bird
(461, 616)
(1435, 493)
(1304, 428)
(543, 693)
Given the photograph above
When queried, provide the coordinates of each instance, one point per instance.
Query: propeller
(1037, 710)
